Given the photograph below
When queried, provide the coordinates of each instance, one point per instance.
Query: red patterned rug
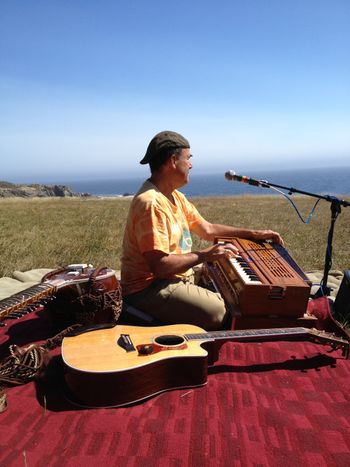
(265, 404)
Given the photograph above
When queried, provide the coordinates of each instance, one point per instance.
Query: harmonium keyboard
(263, 281)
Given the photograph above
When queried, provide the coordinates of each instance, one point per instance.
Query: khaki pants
(181, 302)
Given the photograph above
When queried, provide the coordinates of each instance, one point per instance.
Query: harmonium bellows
(263, 280)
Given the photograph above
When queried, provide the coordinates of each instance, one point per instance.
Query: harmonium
(263, 286)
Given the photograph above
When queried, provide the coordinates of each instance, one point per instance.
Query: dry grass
(50, 232)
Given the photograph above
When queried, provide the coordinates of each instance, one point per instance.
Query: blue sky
(84, 84)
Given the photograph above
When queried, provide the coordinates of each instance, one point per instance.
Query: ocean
(323, 181)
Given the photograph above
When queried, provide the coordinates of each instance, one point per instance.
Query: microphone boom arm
(335, 207)
(231, 176)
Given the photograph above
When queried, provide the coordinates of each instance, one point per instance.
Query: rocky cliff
(10, 190)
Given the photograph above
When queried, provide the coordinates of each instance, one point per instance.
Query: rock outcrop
(11, 190)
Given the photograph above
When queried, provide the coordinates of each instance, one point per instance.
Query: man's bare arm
(163, 265)
(209, 231)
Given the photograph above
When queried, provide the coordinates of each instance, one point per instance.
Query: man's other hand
(268, 235)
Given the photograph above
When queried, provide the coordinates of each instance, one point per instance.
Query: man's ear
(172, 161)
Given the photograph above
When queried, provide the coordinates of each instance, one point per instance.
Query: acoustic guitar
(71, 280)
(119, 365)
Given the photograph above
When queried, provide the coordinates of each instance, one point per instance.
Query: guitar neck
(251, 335)
(280, 334)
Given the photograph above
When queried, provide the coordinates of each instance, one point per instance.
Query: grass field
(52, 232)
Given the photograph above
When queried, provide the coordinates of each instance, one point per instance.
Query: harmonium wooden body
(262, 286)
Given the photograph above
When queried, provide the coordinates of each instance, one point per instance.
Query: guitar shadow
(51, 394)
(50, 390)
(315, 362)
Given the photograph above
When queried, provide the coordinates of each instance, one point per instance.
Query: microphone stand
(335, 207)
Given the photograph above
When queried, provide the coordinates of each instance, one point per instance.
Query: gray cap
(164, 140)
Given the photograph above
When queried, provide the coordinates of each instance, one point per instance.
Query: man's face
(183, 166)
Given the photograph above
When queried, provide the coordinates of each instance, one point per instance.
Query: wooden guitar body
(121, 365)
(100, 373)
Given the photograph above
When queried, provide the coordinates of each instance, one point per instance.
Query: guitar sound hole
(169, 340)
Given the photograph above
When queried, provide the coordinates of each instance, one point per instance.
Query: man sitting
(157, 261)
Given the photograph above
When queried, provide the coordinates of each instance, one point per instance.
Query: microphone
(231, 175)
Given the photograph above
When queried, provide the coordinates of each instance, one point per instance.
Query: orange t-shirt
(154, 223)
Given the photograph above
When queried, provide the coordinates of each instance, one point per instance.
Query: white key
(243, 274)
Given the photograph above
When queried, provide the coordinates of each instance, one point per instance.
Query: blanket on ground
(22, 280)
(265, 404)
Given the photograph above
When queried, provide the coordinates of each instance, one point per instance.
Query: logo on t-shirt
(185, 242)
